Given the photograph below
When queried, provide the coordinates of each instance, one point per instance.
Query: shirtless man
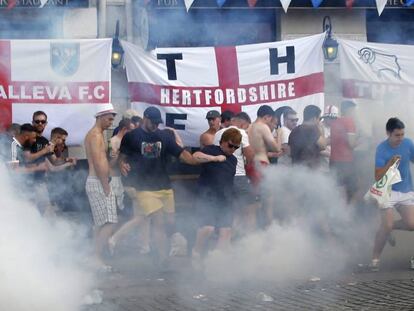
(98, 188)
(261, 138)
(262, 141)
(207, 138)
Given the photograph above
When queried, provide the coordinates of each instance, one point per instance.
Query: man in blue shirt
(395, 148)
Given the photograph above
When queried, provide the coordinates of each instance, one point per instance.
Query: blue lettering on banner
(170, 120)
(275, 60)
(170, 60)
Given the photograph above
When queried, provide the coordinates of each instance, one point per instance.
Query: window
(394, 26)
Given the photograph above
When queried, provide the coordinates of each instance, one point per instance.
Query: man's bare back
(262, 141)
(207, 138)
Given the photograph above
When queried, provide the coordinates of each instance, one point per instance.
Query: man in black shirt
(143, 159)
(214, 205)
(35, 155)
(307, 140)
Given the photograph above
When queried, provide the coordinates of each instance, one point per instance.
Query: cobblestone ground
(136, 284)
(144, 289)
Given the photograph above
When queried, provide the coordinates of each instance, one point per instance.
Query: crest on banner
(65, 58)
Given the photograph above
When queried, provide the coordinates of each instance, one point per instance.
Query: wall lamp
(117, 50)
(330, 45)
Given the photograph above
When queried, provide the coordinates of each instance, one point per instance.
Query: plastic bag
(380, 192)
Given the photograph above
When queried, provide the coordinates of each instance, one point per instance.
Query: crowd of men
(234, 155)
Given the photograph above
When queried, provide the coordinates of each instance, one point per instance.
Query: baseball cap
(331, 111)
(105, 109)
(212, 114)
(153, 114)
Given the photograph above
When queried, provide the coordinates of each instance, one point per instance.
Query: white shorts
(399, 199)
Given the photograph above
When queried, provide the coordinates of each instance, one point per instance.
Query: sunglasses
(235, 147)
(294, 120)
(40, 121)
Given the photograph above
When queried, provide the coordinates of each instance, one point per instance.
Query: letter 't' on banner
(170, 60)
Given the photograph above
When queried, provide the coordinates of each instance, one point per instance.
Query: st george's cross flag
(185, 83)
(67, 79)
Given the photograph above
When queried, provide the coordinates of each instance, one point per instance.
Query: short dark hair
(394, 124)
(27, 127)
(279, 112)
(243, 116)
(310, 112)
(124, 123)
(59, 131)
(39, 113)
(226, 115)
(265, 110)
(288, 111)
(14, 127)
(346, 105)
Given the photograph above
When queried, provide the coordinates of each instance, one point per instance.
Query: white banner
(185, 83)
(380, 79)
(67, 79)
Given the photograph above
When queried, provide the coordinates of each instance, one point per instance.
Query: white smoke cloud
(301, 246)
(39, 257)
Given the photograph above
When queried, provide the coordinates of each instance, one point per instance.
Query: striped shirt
(16, 150)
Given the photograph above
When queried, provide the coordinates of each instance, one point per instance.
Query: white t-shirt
(115, 145)
(285, 135)
(324, 167)
(240, 171)
(285, 158)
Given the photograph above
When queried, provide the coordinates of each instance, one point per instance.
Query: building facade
(166, 23)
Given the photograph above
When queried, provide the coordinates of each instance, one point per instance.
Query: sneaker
(178, 245)
(391, 240)
(374, 265)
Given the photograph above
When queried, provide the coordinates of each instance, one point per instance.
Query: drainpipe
(128, 18)
(101, 18)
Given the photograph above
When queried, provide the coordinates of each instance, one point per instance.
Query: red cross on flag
(67, 79)
(185, 83)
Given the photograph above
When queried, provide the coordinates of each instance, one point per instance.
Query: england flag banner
(185, 83)
(67, 79)
(379, 78)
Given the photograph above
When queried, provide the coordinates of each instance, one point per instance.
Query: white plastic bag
(380, 191)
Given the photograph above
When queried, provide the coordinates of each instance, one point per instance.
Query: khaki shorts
(150, 202)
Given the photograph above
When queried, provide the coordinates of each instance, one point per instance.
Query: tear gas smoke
(39, 257)
(312, 235)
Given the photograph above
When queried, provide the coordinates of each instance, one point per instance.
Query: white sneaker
(374, 265)
(178, 245)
